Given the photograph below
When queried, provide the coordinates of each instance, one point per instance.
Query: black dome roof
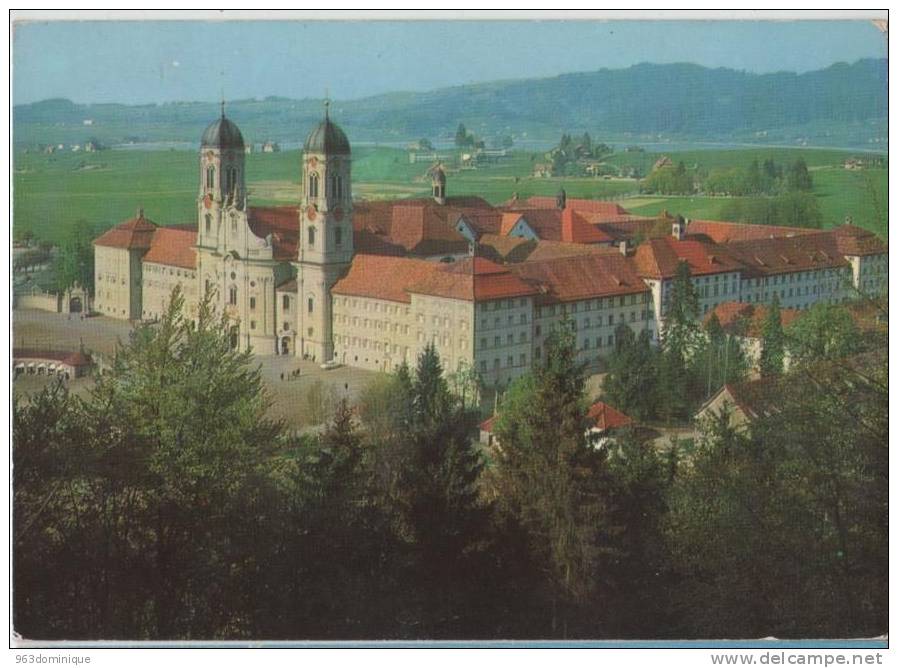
(222, 133)
(327, 138)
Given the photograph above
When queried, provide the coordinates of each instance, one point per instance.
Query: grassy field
(50, 192)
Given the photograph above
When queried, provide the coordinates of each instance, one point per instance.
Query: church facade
(370, 284)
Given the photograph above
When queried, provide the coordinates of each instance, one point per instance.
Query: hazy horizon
(158, 62)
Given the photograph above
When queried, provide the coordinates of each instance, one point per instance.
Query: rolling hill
(842, 105)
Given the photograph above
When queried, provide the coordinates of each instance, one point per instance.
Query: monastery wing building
(370, 284)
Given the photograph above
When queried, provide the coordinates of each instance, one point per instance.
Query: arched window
(232, 295)
(338, 235)
(210, 177)
(311, 304)
(311, 236)
(338, 186)
(232, 179)
(208, 223)
(313, 184)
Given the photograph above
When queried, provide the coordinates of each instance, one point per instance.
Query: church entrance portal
(75, 305)
(285, 346)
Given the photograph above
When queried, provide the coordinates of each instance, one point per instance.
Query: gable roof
(133, 234)
(659, 258)
(606, 417)
(722, 232)
(853, 240)
(581, 277)
(282, 223)
(807, 252)
(173, 247)
(383, 277)
(575, 204)
(473, 279)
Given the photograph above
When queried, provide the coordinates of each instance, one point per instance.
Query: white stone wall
(375, 334)
(159, 280)
(116, 281)
(449, 325)
(870, 273)
(503, 339)
(800, 289)
(595, 321)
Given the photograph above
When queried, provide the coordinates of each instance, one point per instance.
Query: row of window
(334, 187)
(311, 233)
(367, 305)
(509, 340)
(596, 304)
(509, 363)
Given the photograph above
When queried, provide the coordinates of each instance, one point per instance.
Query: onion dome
(328, 138)
(222, 133)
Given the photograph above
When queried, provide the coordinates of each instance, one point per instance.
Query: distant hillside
(840, 105)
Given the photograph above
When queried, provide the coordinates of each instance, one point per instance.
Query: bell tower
(222, 183)
(325, 244)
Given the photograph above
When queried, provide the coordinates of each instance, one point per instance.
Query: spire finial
(222, 97)
(327, 104)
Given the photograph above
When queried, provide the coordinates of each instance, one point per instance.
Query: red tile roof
(605, 417)
(659, 258)
(75, 359)
(135, 233)
(383, 277)
(584, 277)
(477, 279)
(419, 226)
(784, 255)
(576, 229)
(744, 319)
(282, 223)
(725, 232)
(579, 205)
(852, 240)
(173, 247)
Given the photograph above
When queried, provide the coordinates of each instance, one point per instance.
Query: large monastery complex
(370, 284)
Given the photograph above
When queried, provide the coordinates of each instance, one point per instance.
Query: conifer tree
(553, 482)
(773, 342)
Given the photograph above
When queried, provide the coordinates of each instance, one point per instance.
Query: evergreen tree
(799, 178)
(754, 183)
(441, 516)
(553, 484)
(75, 260)
(639, 572)
(160, 513)
(680, 341)
(823, 332)
(632, 374)
(773, 341)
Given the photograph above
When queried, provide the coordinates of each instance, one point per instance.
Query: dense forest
(166, 504)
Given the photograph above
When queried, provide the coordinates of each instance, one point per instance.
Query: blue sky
(143, 62)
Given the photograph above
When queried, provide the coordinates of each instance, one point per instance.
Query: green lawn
(50, 192)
